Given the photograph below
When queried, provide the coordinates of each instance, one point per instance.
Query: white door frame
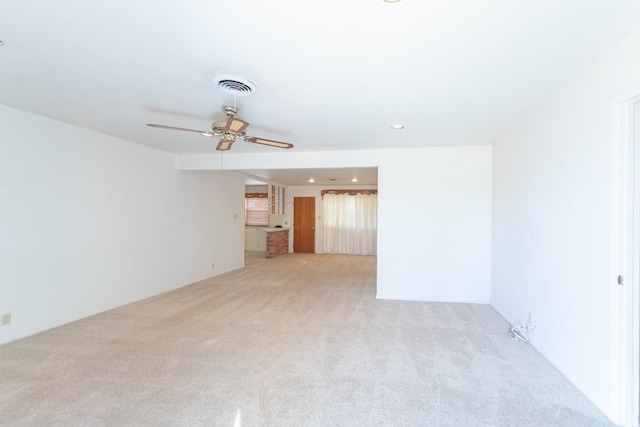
(625, 251)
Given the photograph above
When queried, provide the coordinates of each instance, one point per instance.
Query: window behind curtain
(256, 211)
(350, 223)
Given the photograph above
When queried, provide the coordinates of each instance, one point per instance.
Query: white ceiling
(331, 75)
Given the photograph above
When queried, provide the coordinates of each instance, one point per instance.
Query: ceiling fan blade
(224, 144)
(236, 126)
(268, 142)
(201, 132)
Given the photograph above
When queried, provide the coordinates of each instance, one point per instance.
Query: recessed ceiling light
(397, 127)
(391, 1)
(312, 180)
(354, 179)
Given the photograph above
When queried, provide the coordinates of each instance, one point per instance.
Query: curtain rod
(256, 195)
(349, 192)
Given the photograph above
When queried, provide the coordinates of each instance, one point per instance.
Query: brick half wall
(277, 243)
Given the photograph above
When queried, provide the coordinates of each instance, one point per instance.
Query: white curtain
(350, 223)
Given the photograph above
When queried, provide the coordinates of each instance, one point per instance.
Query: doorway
(304, 225)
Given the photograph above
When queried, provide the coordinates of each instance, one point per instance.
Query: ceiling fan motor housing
(218, 127)
(229, 110)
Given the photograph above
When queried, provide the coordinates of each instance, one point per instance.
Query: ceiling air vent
(234, 85)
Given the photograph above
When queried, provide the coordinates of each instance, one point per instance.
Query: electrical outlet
(5, 319)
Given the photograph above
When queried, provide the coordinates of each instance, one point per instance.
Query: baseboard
(425, 299)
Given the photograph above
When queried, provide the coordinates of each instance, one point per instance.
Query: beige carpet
(298, 340)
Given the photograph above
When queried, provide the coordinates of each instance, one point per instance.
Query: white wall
(551, 222)
(256, 188)
(434, 214)
(90, 222)
(434, 224)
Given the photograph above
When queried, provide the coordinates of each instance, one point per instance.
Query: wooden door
(304, 225)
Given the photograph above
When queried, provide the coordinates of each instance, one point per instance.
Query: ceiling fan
(229, 129)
